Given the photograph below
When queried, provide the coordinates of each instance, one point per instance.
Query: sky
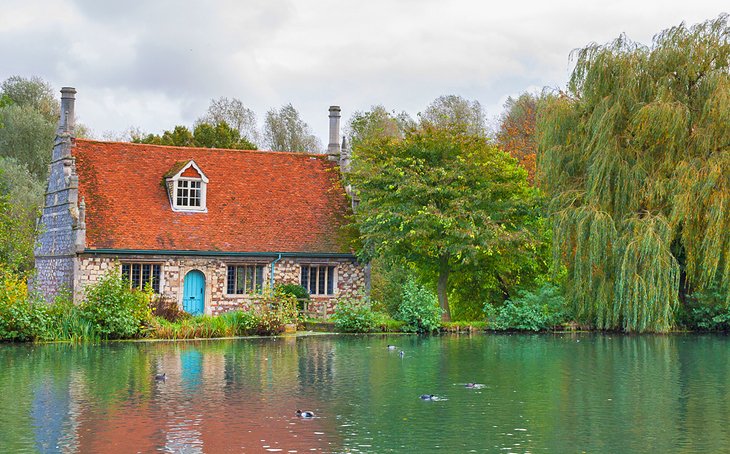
(154, 64)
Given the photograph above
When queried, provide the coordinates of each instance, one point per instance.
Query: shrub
(530, 311)
(706, 311)
(275, 311)
(167, 308)
(297, 291)
(241, 322)
(419, 309)
(115, 310)
(354, 316)
(387, 324)
(20, 318)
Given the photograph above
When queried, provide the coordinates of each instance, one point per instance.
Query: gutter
(216, 253)
(272, 271)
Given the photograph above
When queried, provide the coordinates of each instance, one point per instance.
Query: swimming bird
(392, 347)
(428, 397)
(402, 353)
(305, 414)
(161, 377)
(470, 385)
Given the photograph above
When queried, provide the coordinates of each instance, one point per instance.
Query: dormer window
(186, 187)
(188, 193)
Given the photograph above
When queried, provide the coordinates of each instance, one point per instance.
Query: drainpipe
(272, 271)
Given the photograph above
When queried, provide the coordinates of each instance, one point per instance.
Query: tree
(34, 93)
(27, 136)
(636, 159)
(204, 135)
(454, 111)
(21, 196)
(441, 199)
(285, 131)
(377, 124)
(516, 134)
(235, 114)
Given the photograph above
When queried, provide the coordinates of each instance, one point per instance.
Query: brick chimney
(333, 149)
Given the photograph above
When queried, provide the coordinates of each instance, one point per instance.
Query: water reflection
(540, 393)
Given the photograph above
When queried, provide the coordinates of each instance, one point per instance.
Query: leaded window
(139, 274)
(244, 279)
(318, 279)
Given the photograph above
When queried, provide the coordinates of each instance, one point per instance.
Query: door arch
(194, 293)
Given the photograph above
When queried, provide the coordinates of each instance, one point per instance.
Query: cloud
(157, 64)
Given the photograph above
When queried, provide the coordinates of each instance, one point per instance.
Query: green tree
(636, 159)
(204, 135)
(27, 136)
(34, 93)
(452, 111)
(440, 198)
(377, 124)
(21, 196)
(233, 112)
(284, 130)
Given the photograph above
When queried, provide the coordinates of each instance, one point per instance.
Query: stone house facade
(208, 228)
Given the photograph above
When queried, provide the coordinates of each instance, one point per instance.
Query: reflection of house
(207, 227)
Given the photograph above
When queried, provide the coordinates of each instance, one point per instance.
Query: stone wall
(349, 278)
(61, 224)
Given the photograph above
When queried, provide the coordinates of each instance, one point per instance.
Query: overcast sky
(155, 64)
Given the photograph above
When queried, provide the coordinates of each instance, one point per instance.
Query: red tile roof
(258, 201)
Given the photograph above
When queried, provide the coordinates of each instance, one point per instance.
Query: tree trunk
(443, 287)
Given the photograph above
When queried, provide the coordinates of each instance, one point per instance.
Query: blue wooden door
(194, 293)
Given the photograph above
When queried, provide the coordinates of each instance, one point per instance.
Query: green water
(541, 393)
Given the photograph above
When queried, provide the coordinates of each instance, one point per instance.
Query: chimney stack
(333, 149)
(66, 122)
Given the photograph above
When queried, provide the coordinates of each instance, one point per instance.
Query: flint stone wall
(349, 278)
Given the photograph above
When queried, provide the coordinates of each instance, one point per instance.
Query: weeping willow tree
(636, 158)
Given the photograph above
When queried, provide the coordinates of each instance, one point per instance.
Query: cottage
(209, 228)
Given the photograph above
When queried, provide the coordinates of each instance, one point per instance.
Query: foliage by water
(115, 311)
(635, 159)
(541, 310)
(706, 311)
(419, 309)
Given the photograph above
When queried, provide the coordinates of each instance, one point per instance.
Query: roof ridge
(176, 147)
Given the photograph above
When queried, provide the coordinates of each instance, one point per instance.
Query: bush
(295, 290)
(242, 323)
(706, 311)
(115, 310)
(355, 316)
(529, 311)
(20, 318)
(387, 324)
(165, 307)
(419, 309)
(275, 311)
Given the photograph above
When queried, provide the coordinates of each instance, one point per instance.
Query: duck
(402, 353)
(428, 397)
(305, 414)
(470, 385)
(161, 377)
(392, 347)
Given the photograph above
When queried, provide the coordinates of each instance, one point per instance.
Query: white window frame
(201, 194)
(174, 186)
